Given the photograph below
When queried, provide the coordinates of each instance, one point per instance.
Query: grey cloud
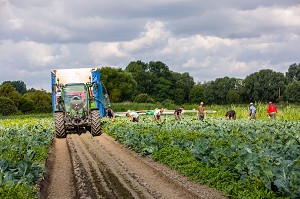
(207, 39)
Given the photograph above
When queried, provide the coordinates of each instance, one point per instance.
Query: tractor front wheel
(60, 129)
(96, 123)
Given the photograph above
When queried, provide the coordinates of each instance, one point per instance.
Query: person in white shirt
(134, 116)
(157, 114)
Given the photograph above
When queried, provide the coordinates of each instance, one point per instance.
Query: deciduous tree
(216, 91)
(293, 72)
(265, 85)
(292, 92)
(7, 90)
(20, 86)
(197, 94)
(120, 84)
(41, 99)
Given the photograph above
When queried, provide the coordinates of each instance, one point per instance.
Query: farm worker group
(201, 113)
(272, 112)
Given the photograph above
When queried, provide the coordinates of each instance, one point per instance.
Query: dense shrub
(7, 106)
(26, 105)
(168, 104)
(144, 98)
(292, 92)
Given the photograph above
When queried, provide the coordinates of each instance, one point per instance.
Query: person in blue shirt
(252, 111)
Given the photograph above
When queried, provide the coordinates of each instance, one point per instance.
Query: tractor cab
(75, 98)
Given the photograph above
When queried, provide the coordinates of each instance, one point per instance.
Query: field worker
(272, 110)
(252, 111)
(110, 114)
(201, 112)
(178, 113)
(157, 114)
(230, 114)
(134, 116)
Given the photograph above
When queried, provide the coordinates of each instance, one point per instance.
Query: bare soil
(83, 166)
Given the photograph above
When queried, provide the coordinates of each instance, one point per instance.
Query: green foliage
(20, 190)
(168, 104)
(197, 94)
(143, 98)
(232, 97)
(183, 83)
(24, 147)
(292, 92)
(7, 106)
(216, 91)
(20, 86)
(7, 90)
(26, 105)
(244, 158)
(120, 84)
(293, 72)
(265, 85)
(125, 106)
(41, 100)
(156, 80)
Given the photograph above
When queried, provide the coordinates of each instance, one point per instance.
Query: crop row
(24, 144)
(243, 158)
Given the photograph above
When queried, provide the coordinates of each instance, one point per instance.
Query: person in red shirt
(272, 110)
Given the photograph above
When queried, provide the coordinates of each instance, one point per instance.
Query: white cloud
(206, 39)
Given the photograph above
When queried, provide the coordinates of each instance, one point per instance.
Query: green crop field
(24, 143)
(243, 158)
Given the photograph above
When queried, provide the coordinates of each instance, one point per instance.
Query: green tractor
(79, 101)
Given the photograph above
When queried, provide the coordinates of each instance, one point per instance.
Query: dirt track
(82, 166)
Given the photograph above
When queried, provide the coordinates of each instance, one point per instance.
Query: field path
(82, 166)
(59, 179)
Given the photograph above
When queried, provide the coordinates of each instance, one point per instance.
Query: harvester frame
(78, 101)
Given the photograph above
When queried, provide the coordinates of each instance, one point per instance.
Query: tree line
(155, 82)
(15, 98)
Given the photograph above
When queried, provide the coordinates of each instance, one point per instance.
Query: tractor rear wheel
(96, 123)
(60, 130)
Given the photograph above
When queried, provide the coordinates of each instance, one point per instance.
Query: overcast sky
(208, 39)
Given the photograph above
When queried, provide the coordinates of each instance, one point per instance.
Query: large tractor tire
(60, 129)
(96, 123)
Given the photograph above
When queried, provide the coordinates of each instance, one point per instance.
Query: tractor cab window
(75, 94)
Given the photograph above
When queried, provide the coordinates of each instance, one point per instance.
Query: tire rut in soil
(59, 177)
(166, 182)
(99, 167)
(95, 178)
